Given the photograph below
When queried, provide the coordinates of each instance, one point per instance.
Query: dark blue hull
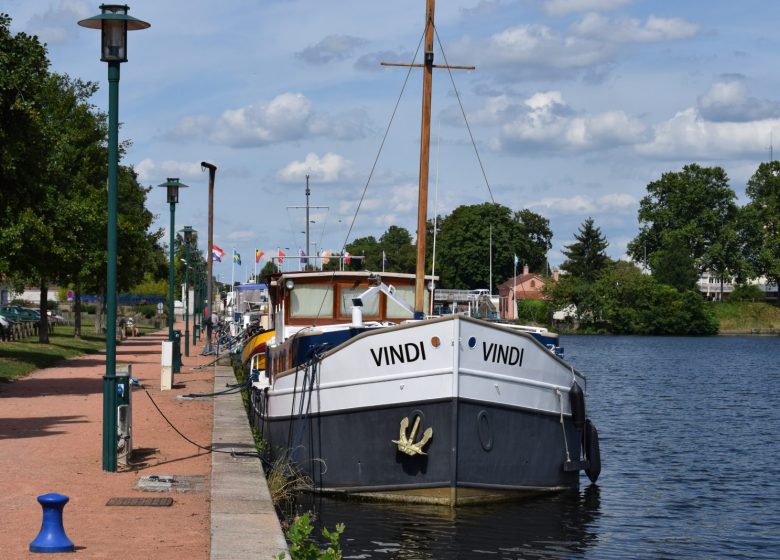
(471, 456)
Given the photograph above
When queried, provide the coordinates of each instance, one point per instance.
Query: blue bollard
(52, 537)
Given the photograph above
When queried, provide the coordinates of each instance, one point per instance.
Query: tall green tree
(367, 247)
(463, 249)
(760, 223)
(587, 256)
(399, 249)
(24, 77)
(536, 237)
(43, 240)
(695, 207)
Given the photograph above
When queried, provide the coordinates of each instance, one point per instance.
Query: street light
(172, 185)
(187, 232)
(114, 23)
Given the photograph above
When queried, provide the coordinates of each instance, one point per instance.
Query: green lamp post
(172, 185)
(187, 232)
(114, 23)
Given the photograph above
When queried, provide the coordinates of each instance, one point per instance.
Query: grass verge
(18, 358)
(747, 317)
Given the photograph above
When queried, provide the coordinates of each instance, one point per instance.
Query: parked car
(19, 313)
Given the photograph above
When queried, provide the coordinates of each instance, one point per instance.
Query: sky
(574, 107)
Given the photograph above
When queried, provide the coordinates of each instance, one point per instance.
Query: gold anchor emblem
(407, 445)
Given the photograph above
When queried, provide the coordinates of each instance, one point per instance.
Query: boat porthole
(472, 342)
(435, 342)
(484, 431)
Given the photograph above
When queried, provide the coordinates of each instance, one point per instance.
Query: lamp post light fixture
(114, 23)
(187, 232)
(172, 186)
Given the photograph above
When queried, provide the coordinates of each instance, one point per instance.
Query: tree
(586, 257)
(362, 246)
(760, 223)
(535, 229)
(694, 207)
(24, 75)
(464, 244)
(673, 265)
(43, 240)
(401, 253)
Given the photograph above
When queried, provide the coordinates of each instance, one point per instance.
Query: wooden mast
(425, 149)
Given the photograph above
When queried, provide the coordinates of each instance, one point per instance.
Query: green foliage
(622, 300)
(464, 241)
(746, 293)
(532, 311)
(23, 142)
(673, 265)
(19, 358)
(760, 223)
(303, 548)
(148, 310)
(694, 209)
(746, 317)
(586, 257)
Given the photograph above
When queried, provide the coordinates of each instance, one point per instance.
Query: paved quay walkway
(50, 441)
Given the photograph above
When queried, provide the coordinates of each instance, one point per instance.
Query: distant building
(528, 285)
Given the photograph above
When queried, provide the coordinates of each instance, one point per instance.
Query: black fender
(592, 451)
(577, 403)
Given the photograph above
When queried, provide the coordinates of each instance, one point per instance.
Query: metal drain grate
(151, 502)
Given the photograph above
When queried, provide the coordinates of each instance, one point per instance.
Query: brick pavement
(50, 441)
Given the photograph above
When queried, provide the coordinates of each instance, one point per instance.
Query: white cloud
(688, 136)
(155, 172)
(534, 46)
(547, 122)
(632, 30)
(563, 7)
(287, 117)
(729, 100)
(284, 118)
(326, 169)
(332, 47)
(57, 24)
(580, 204)
(617, 201)
(190, 127)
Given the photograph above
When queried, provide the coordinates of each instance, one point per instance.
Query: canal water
(690, 446)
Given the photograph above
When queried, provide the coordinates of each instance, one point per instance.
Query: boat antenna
(425, 148)
(307, 207)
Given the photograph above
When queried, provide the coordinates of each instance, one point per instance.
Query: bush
(303, 548)
(532, 311)
(148, 310)
(746, 293)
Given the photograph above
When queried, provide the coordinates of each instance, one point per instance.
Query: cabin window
(311, 301)
(370, 304)
(405, 293)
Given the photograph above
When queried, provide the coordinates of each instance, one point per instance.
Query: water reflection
(562, 525)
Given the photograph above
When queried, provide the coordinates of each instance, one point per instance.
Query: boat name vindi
(411, 352)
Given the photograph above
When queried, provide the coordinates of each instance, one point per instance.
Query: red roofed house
(526, 286)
